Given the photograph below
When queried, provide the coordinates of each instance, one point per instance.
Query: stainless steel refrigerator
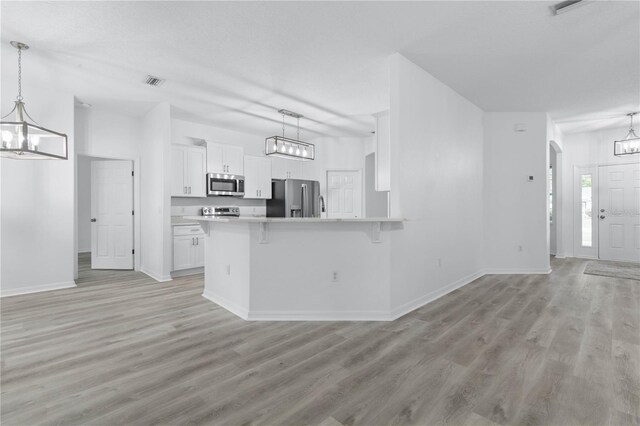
(295, 198)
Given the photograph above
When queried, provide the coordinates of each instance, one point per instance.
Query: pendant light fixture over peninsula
(28, 141)
(630, 144)
(281, 146)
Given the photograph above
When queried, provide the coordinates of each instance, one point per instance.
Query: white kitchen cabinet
(257, 178)
(281, 168)
(188, 247)
(223, 158)
(188, 171)
(383, 150)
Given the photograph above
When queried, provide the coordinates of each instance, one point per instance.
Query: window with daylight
(586, 191)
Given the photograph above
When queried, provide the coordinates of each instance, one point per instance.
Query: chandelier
(24, 140)
(280, 146)
(631, 143)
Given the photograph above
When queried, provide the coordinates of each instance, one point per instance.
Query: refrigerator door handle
(304, 200)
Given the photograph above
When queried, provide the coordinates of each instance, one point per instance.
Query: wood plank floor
(558, 349)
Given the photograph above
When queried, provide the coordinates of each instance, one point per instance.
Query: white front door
(619, 212)
(111, 215)
(344, 193)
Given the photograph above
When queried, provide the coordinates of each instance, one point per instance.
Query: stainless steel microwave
(225, 184)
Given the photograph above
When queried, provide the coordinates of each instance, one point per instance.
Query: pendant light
(24, 140)
(630, 144)
(281, 146)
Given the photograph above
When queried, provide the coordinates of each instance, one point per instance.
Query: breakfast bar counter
(263, 268)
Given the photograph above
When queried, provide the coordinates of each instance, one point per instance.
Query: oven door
(225, 185)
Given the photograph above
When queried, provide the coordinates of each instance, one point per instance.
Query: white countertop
(290, 219)
(181, 221)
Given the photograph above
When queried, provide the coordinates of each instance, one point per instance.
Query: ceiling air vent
(154, 81)
(566, 6)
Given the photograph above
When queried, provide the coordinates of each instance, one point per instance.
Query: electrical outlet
(334, 276)
(228, 269)
(519, 248)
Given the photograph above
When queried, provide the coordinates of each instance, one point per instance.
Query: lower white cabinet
(188, 247)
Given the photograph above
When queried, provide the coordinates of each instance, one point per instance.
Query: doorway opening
(554, 200)
(105, 214)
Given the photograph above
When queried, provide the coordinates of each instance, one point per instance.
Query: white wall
(436, 184)
(585, 149)
(37, 212)
(515, 209)
(84, 204)
(155, 193)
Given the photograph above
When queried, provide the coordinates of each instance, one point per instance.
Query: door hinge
(133, 251)
(132, 212)
(131, 172)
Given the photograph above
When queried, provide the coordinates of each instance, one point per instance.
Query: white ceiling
(236, 63)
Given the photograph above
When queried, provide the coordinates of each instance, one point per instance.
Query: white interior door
(111, 215)
(344, 194)
(619, 212)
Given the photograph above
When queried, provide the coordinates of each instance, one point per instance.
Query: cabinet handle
(198, 241)
(189, 190)
(184, 190)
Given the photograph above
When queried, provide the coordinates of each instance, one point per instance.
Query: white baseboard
(430, 297)
(391, 315)
(159, 278)
(228, 305)
(185, 272)
(37, 288)
(534, 271)
(318, 316)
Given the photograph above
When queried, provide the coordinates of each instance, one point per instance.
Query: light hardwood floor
(556, 349)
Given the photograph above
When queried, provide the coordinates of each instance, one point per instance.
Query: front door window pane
(586, 210)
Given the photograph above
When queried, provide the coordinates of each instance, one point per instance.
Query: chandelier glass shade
(630, 144)
(24, 140)
(281, 146)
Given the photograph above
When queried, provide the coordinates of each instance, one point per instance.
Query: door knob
(601, 216)
(601, 210)
(93, 219)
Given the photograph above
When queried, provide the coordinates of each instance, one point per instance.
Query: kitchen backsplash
(192, 206)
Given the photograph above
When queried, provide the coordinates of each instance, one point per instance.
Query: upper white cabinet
(281, 168)
(188, 171)
(257, 177)
(383, 152)
(223, 158)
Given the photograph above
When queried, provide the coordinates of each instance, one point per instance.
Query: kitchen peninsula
(263, 268)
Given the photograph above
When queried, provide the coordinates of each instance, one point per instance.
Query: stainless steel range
(221, 211)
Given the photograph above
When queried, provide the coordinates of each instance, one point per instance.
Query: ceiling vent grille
(565, 6)
(154, 81)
